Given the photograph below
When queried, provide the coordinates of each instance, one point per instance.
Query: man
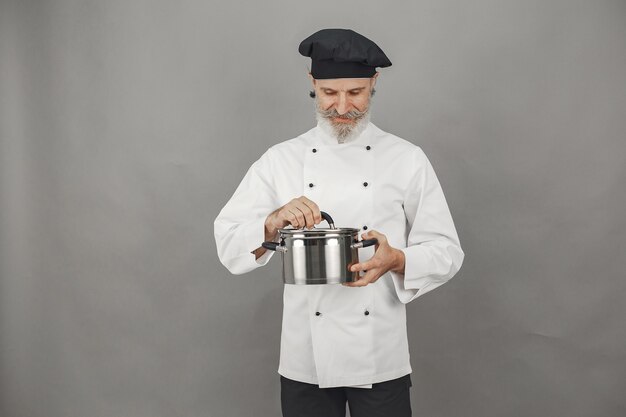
(346, 342)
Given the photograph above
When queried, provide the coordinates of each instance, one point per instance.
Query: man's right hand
(299, 212)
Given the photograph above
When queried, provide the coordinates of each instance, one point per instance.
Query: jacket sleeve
(240, 226)
(433, 252)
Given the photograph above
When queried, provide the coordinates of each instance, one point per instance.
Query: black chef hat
(342, 53)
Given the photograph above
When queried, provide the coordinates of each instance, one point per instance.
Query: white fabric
(403, 200)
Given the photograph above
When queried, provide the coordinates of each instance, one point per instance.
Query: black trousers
(385, 399)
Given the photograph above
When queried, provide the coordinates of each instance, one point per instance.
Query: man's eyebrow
(352, 89)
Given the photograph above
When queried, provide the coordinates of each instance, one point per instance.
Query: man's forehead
(343, 84)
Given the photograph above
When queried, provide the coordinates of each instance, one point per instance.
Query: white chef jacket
(377, 180)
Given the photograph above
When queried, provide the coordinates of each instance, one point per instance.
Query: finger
(317, 215)
(363, 266)
(374, 234)
(306, 212)
(284, 216)
(371, 276)
(366, 279)
(295, 217)
(351, 284)
(294, 206)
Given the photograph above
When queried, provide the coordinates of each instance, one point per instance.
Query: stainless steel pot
(319, 256)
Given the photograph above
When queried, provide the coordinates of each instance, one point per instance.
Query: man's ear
(312, 92)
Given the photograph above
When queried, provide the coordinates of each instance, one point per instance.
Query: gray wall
(126, 125)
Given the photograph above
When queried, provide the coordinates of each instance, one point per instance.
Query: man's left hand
(386, 258)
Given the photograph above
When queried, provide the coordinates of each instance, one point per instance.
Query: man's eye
(355, 93)
(329, 93)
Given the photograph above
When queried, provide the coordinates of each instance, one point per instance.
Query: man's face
(344, 94)
(343, 102)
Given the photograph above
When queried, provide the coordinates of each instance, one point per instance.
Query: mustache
(352, 114)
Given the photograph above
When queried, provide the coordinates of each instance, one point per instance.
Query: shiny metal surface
(319, 258)
(318, 232)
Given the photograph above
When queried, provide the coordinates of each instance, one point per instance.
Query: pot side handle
(274, 246)
(364, 243)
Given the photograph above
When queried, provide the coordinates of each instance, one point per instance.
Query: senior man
(345, 343)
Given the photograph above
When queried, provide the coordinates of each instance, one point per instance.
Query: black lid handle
(328, 219)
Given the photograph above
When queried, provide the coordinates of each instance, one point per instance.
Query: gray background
(126, 125)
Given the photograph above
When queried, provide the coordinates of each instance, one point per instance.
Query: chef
(345, 343)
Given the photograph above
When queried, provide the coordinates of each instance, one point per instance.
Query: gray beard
(343, 132)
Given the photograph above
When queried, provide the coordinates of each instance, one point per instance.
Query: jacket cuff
(254, 236)
(415, 281)
(415, 265)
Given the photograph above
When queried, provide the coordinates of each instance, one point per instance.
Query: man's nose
(342, 104)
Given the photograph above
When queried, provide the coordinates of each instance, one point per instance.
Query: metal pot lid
(319, 232)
